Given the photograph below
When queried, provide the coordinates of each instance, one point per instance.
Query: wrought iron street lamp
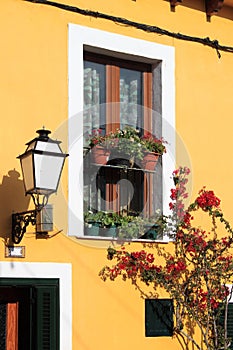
(42, 165)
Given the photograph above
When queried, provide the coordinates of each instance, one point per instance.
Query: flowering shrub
(206, 200)
(97, 138)
(178, 195)
(196, 274)
(153, 144)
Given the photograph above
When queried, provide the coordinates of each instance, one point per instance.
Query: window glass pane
(130, 98)
(94, 97)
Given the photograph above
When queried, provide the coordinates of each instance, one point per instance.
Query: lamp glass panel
(27, 169)
(48, 147)
(31, 146)
(47, 171)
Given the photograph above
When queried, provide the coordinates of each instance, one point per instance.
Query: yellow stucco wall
(34, 92)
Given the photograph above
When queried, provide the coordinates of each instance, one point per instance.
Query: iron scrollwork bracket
(20, 221)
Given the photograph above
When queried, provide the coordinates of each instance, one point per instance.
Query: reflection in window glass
(94, 97)
(130, 98)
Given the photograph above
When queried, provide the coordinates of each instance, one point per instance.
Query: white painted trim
(230, 296)
(78, 37)
(48, 270)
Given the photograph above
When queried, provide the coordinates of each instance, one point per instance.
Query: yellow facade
(34, 93)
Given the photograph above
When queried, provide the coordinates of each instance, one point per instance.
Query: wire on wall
(141, 26)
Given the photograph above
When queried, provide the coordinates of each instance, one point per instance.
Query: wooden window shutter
(3, 326)
(158, 317)
(47, 318)
(12, 326)
(229, 322)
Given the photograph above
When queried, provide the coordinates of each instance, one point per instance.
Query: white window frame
(142, 50)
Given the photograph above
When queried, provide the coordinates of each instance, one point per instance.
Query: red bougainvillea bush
(196, 269)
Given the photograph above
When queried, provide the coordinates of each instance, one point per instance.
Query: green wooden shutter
(158, 317)
(229, 322)
(47, 318)
(3, 313)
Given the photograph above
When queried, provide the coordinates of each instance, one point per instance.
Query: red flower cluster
(187, 220)
(130, 265)
(174, 267)
(226, 262)
(214, 304)
(97, 137)
(181, 171)
(174, 193)
(195, 242)
(202, 299)
(178, 194)
(149, 137)
(227, 241)
(153, 144)
(207, 200)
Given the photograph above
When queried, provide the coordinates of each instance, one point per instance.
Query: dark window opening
(158, 317)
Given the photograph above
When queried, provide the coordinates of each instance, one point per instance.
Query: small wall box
(15, 252)
(44, 219)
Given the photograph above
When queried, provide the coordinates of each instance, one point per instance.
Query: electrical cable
(141, 26)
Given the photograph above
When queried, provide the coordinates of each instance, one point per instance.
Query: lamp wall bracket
(41, 217)
(20, 221)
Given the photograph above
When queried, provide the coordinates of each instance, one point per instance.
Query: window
(158, 317)
(115, 94)
(115, 69)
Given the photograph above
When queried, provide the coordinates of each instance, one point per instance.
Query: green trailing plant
(110, 219)
(90, 217)
(127, 142)
(107, 219)
(129, 226)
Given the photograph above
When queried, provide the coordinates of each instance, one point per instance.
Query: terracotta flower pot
(99, 155)
(150, 160)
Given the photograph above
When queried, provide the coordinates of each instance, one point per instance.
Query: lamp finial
(43, 134)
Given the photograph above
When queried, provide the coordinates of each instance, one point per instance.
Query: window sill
(120, 240)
